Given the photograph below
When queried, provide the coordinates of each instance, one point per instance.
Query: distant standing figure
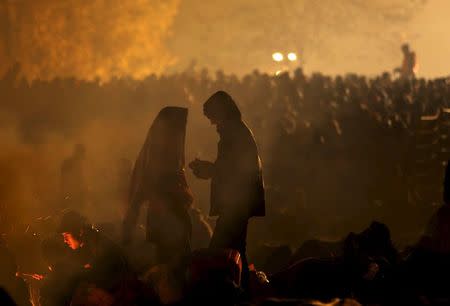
(409, 65)
(158, 179)
(237, 189)
(73, 184)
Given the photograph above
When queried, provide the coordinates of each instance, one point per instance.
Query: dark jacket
(237, 184)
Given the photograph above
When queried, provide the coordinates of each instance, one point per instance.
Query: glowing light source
(278, 72)
(277, 57)
(292, 56)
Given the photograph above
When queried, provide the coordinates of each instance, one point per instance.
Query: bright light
(278, 72)
(292, 56)
(277, 57)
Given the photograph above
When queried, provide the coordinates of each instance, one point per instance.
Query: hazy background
(109, 42)
(89, 39)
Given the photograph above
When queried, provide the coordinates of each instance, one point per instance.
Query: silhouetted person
(73, 185)
(5, 298)
(102, 264)
(237, 190)
(159, 179)
(58, 285)
(407, 69)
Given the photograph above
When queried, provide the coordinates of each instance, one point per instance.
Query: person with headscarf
(158, 179)
(237, 189)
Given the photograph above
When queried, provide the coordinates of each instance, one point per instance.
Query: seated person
(101, 263)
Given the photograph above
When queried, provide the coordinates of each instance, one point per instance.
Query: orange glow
(132, 38)
(71, 241)
(35, 276)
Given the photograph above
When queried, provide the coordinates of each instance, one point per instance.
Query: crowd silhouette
(338, 153)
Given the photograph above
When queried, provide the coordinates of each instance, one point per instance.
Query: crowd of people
(337, 153)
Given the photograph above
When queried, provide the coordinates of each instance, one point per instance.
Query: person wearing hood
(237, 189)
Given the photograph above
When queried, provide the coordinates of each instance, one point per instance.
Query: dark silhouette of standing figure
(409, 65)
(237, 189)
(158, 178)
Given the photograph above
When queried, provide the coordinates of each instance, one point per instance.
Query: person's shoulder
(244, 129)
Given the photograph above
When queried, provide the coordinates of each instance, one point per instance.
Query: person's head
(447, 184)
(376, 236)
(405, 48)
(167, 137)
(5, 298)
(72, 228)
(220, 107)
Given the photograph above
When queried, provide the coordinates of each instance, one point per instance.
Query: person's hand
(202, 169)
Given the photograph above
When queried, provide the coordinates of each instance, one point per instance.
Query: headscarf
(161, 155)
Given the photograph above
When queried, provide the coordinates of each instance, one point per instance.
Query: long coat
(237, 186)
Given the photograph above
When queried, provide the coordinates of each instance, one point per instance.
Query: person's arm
(202, 169)
(176, 186)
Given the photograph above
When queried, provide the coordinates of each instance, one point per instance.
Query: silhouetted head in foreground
(5, 298)
(220, 107)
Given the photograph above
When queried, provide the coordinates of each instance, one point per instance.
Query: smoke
(27, 179)
(104, 39)
(86, 39)
(329, 36)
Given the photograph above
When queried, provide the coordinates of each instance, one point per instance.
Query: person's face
(214, 121)
(71, 241)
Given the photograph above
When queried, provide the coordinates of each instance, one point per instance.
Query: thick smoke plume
(86, 39)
